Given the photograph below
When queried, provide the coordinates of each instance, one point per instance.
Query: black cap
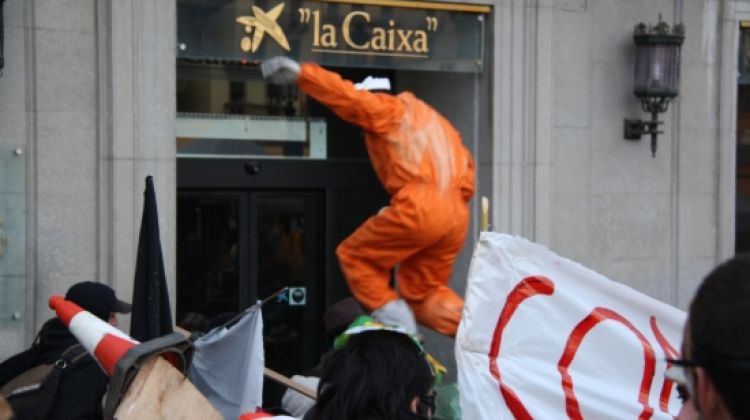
(340, 315)
(97, 298)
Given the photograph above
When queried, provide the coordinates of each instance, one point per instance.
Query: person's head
(377, 375)
(99, 299)
(718, 349)
(193, 321)
(339, 315)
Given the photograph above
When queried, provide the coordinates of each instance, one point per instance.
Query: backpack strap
(71, 356)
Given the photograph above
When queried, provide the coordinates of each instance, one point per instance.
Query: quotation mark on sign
(304, 15)
(432, 23)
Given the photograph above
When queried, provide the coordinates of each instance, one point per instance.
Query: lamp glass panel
(657, 70)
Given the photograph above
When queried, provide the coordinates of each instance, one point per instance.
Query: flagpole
(268, 299)
(283, 380)
(260, 303)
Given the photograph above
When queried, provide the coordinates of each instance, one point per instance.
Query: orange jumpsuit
(429, 174)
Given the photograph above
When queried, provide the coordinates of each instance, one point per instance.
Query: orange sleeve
(375, 112)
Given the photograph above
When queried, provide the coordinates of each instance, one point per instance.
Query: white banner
(544, 337)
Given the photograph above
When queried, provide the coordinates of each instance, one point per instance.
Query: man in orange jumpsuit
(429, 174)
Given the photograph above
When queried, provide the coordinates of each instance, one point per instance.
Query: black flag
(151, 316)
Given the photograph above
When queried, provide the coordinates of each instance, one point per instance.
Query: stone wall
(88, 95)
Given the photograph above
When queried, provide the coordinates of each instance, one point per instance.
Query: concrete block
(646, 275)
(67, 15)
(13, 134)
(13, 14)
(571, 151)
(702, 32)
(612, 99)
(66, 234)
(698, 162)
(692, 271)
(622, 166)
(630, 226)
(612, 23)
(572, 87)
(570, 226)
(66, 76)
(66, 152)
(697, 97)
(697, 225)
(125, 224)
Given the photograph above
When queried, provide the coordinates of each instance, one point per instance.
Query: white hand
(396, 313)
(280, 70)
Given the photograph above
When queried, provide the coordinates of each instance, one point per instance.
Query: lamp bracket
(634, 129)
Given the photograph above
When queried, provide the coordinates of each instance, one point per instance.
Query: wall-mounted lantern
(657, 75)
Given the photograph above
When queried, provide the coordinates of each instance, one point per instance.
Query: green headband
(365, 323)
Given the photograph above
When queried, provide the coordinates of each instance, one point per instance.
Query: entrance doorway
(248, 228)
(237, 247)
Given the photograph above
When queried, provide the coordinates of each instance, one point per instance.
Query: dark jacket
(81, 389)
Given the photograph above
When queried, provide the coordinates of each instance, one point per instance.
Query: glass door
(208, 246)
(238, 247)
(286, 240)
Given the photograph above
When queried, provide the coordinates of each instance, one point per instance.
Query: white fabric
(227, 365)
(397, 313)
(607, 368)
(280, 70)
(374, 83)
(294, 402)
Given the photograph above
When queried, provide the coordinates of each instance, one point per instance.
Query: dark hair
(719, 322)
(374, 377)
(194, 321)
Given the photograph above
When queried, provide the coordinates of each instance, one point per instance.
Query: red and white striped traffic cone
(105, 342)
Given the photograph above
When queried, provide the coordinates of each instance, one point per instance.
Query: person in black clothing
(81, 389)
(377, 375)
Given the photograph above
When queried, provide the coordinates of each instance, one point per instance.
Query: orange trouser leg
(424, 231)
(423, 277)
(384, 240)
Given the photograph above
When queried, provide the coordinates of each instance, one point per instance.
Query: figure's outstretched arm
(375, 112)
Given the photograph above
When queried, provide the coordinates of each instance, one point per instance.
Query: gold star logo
(262, 23)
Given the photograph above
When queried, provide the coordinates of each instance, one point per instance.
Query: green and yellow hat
(365, 323)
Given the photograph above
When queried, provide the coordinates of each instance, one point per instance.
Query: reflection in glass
(284, 228)
(207, 250)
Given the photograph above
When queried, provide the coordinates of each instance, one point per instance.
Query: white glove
(280, 70)
(396, 313)
(296, 403)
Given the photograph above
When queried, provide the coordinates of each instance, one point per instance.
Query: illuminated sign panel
(391, 34)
